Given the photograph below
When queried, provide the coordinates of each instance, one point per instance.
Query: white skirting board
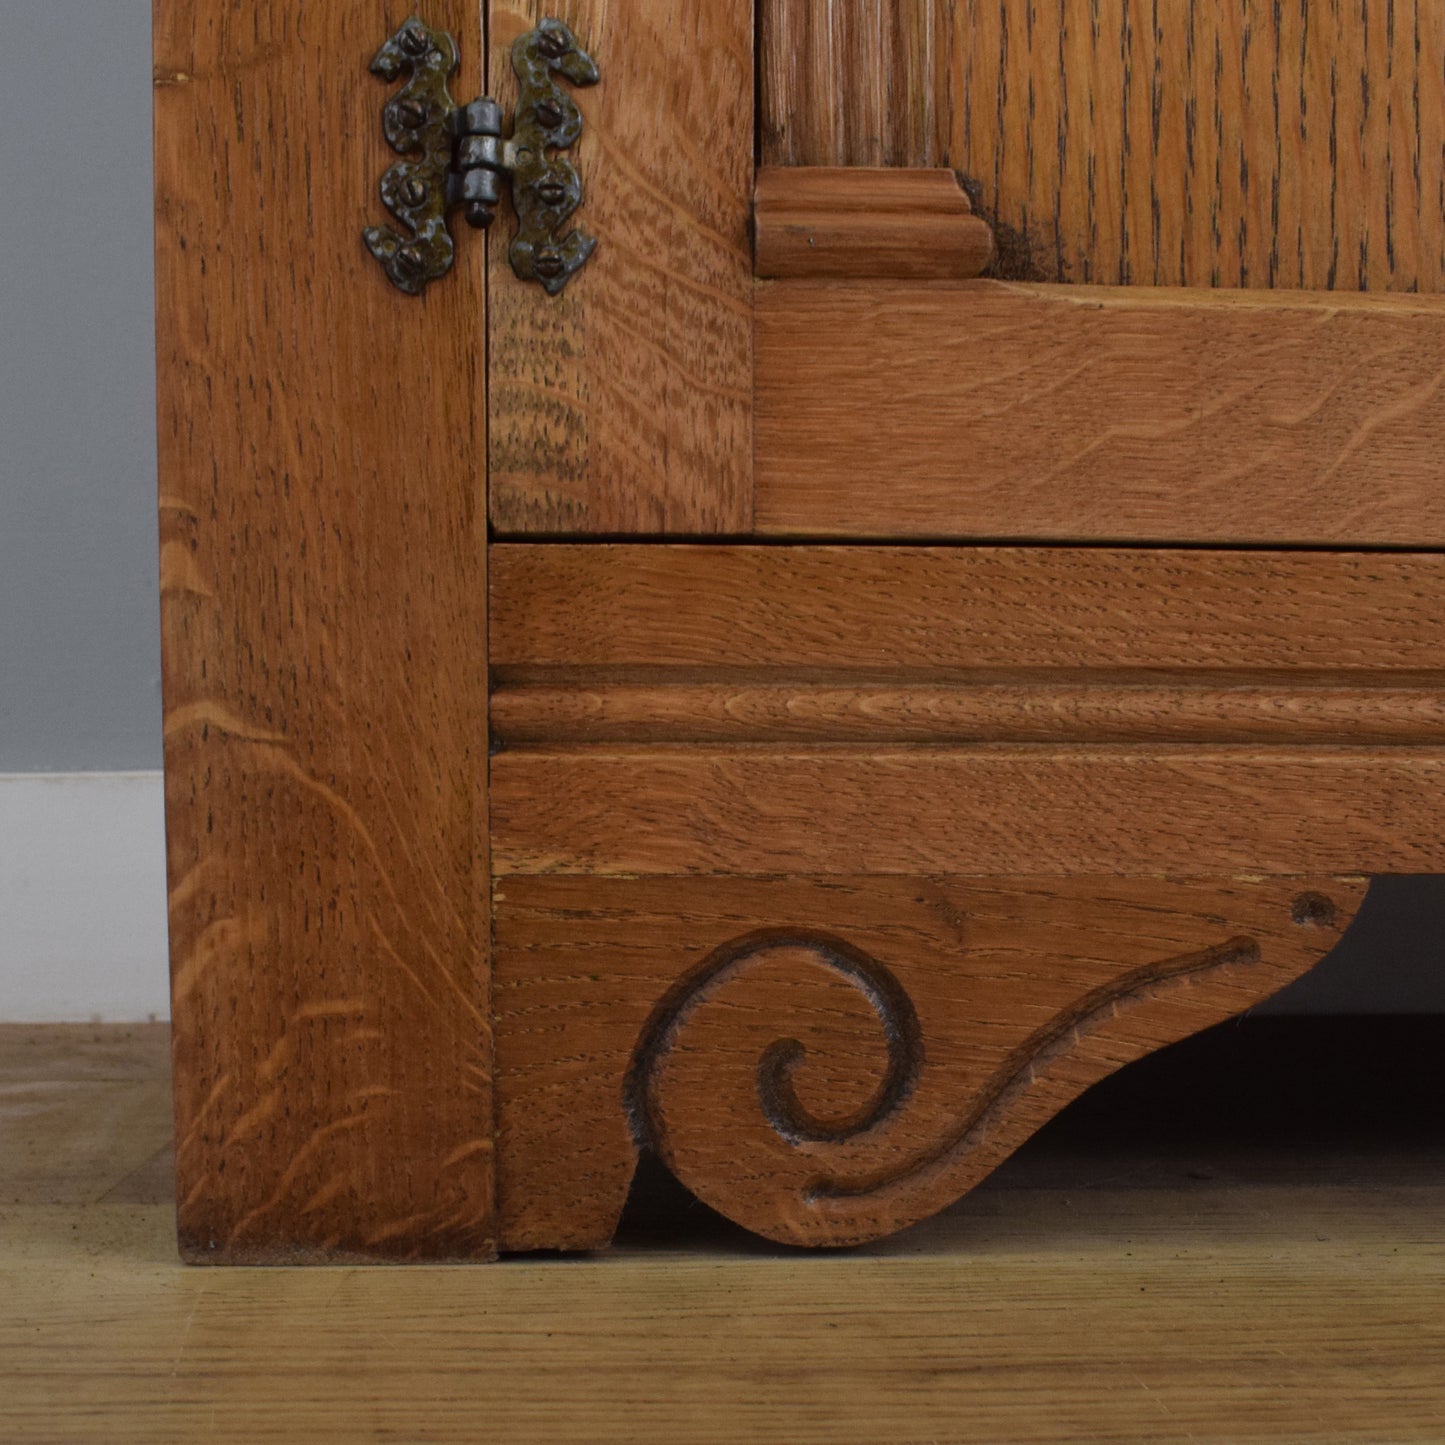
(82, 898)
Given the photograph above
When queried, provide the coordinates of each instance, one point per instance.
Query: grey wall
(79, 665)
(79, 673)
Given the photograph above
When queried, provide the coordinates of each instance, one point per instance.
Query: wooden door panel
(1244, 143)
(625, 404)
(1224, 150)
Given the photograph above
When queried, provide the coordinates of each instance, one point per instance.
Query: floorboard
(1240, 1239)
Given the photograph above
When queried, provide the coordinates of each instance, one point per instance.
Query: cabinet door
(1214, 314)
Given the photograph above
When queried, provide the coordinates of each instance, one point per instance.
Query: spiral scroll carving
(790, 1118)
(720, 1081)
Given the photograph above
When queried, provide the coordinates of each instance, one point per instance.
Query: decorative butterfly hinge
(457, 156)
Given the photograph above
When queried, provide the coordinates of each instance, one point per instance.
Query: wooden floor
(1242, 1239)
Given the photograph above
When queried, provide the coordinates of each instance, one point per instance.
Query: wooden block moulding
(834, 223)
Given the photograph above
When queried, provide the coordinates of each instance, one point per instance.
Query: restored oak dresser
(944, 598)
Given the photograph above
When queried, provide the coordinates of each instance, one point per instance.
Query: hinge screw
(550, 265)
(549, 113)
(410, 260)
(552, 44)
(411, 114)
(551, 193)
(415, 40)
(414, 192)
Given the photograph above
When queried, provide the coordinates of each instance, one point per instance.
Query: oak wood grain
(836, 222)
(826, 1061)
(323, 616)
(1027, 710)
(980, 809)
(625, 404)
(1145, 1274)
(979, 410)
(627, 644)
(855, 614)
(1246, 143)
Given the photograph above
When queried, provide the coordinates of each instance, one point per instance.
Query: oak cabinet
(947, 600)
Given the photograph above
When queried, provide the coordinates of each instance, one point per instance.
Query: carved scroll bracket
(835, 1078)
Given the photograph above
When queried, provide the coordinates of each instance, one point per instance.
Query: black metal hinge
(458, 157)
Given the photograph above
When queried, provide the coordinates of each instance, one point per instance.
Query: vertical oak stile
(322, 453)
(625, 404)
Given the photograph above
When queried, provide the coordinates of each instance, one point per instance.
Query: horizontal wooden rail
(989, 809)
(886, 710)
(978, 410)
(875, 613)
